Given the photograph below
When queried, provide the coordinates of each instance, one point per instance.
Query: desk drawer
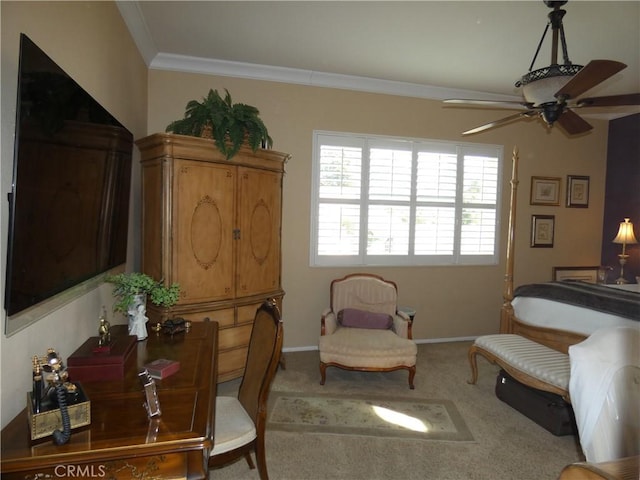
(173, 465)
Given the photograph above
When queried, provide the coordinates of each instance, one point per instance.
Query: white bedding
(551, 314)
(605, 393)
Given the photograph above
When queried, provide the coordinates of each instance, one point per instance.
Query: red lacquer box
(88, 365)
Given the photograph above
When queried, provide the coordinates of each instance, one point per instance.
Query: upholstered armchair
(363, 330)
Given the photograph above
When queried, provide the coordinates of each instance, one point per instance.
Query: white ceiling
(431, 49)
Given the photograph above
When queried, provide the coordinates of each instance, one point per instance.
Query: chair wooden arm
(622, 469)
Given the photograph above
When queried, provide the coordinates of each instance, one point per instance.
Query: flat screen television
(69, 201)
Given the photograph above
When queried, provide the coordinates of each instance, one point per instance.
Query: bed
(561, 314)
(569, 316)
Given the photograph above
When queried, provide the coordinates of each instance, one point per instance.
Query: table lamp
(625, 236)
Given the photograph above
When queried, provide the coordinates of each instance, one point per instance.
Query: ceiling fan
(551, 92)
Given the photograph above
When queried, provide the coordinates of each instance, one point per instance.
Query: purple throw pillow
(354, 318)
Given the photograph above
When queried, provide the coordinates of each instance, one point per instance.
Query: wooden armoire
(213, 225)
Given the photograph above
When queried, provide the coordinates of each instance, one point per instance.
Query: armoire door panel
(152, 219)
(259, 199)
(202, 219)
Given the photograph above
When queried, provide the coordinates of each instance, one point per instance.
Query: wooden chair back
(265, 347)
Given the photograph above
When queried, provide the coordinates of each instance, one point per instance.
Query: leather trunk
(546, 409)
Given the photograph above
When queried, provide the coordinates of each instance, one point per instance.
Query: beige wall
(292, 112)
(89, 41)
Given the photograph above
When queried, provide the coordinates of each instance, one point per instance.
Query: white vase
(137, 314)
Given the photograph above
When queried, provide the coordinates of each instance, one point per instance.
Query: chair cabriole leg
(474, 365)
(261, 458)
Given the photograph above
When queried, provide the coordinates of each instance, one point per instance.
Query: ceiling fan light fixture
(540, 86)
(548, 90)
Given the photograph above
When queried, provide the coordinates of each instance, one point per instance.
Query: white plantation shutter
(388, 215)
(340, 172)
(339, 229)
(436, 197)
(479, 197)
(435, 230)
(390, 174)
(339, 191)
(394, 201)
(388, 230)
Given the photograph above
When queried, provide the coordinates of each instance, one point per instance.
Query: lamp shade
(625, 233)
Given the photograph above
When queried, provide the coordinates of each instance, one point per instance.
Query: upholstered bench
(528, 362)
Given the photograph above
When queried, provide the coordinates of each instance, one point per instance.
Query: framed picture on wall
(577, 191)
(542, 227)
(545, 191)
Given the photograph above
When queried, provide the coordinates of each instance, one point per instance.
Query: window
(396, 201)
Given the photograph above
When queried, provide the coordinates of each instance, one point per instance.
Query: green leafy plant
(127, 285)
(231, 124)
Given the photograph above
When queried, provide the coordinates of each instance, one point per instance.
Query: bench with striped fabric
(530, 363)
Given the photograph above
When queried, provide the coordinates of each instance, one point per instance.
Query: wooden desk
(121, 441)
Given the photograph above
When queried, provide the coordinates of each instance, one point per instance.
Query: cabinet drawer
(225, 318)
(246, 313)
(235, 336)
(231, 363)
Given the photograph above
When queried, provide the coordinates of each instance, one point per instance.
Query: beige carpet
(421, 419)
(506, 445)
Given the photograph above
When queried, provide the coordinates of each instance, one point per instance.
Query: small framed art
(545, 190)
(542, 227)
(586, 274)
(577, 191)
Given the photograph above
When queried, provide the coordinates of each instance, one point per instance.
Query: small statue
(104, 333)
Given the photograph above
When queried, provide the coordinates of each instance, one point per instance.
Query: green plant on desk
(128, 285)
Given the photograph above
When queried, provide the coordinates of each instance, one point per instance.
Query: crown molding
(134, 20)
(225, 68)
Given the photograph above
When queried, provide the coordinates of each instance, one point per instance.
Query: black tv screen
(69, 204)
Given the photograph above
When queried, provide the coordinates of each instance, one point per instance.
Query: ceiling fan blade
(500, 122)
(488, 103)
(610, 101)
(572, 123)
(589, 76)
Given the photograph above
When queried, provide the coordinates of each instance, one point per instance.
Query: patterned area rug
(359, 415)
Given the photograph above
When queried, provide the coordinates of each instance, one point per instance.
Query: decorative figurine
(104, 333)
(138, 321)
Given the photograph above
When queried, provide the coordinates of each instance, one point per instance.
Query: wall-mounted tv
(69, 203)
